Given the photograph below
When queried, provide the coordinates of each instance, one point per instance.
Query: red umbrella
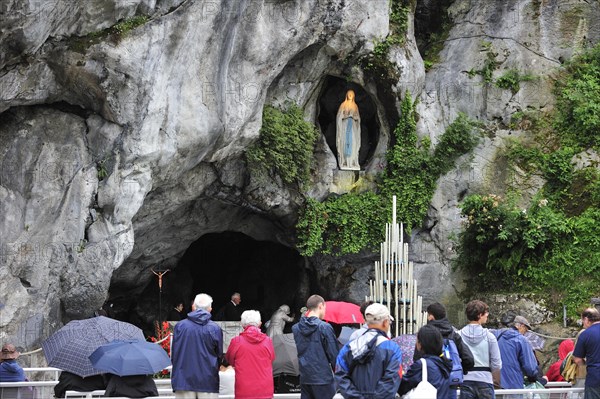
(343, 313)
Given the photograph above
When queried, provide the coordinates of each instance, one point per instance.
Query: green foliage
(399, 19)
(352, 222)
(539, 249)
(285, 145)
(458, 139)
(101, 169)
(554, 166)
(578, 100)
(431, 43)
(377, 62)
(342, 225)
(487, 71)
(128, 25)
(408, 174)
(511, 80)
(115, 32)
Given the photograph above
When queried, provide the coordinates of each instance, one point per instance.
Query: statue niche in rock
(348, 133)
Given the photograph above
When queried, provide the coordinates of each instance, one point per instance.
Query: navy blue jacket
(438, 373)
(317, 350)
(518, 359)
(370, 367)
(197, 347)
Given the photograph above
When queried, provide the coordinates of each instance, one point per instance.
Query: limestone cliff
(122, 143)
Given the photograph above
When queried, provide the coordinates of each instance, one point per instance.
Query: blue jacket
(10, 371)
(518, 360)
(317, 350)
(438, 373)
(197, 347)
(369, 367)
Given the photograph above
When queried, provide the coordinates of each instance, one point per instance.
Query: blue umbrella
(69, 347)
(130, 358)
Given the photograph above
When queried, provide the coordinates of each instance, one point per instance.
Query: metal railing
(45, 390)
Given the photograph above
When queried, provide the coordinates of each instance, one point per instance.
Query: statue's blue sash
(348, 144)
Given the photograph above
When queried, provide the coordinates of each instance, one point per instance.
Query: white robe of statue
(348, 133)
(278, 320)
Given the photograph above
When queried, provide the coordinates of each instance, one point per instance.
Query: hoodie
(449, 332)
(438, 373)
(564, 348)
(518, 359)
(486, 354)
(317, 350)
(251, 354)
(197, 347)
(369, 367)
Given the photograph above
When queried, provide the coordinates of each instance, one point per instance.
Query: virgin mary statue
(348, 133)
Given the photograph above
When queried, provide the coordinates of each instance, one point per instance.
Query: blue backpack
(451, 353)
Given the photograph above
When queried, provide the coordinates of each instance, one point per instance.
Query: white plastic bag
(424, 390)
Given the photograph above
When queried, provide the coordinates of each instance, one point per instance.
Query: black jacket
(444, 326)
(72, 382)
(131, 386)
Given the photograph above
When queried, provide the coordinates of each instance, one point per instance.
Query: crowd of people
(368, 366)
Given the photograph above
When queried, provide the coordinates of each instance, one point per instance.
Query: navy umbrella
(130, 358)
(69, 347)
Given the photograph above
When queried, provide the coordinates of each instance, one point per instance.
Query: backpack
(568, 368)
(451, 353)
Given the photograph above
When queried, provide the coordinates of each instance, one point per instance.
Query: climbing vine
(285, 145)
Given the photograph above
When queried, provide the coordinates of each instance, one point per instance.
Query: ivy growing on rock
(578, 93)
(285, 145)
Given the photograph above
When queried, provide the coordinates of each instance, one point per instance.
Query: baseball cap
(376, 313)
(522, 320)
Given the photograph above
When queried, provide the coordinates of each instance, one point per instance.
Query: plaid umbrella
(69, 348)
(536, 341)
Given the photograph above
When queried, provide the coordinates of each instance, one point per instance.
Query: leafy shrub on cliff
(578, 100)
(538, 249)
(285, 145)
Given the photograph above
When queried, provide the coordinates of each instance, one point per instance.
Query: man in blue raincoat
(195, 353)
(518, 359)
(371, 365)
(317, 349)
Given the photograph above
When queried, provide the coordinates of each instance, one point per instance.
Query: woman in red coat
(251, 354)
(553, 373)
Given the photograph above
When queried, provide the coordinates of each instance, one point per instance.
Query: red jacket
(564, 348)
(251, 354)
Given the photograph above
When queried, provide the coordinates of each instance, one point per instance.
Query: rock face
(119, 150)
